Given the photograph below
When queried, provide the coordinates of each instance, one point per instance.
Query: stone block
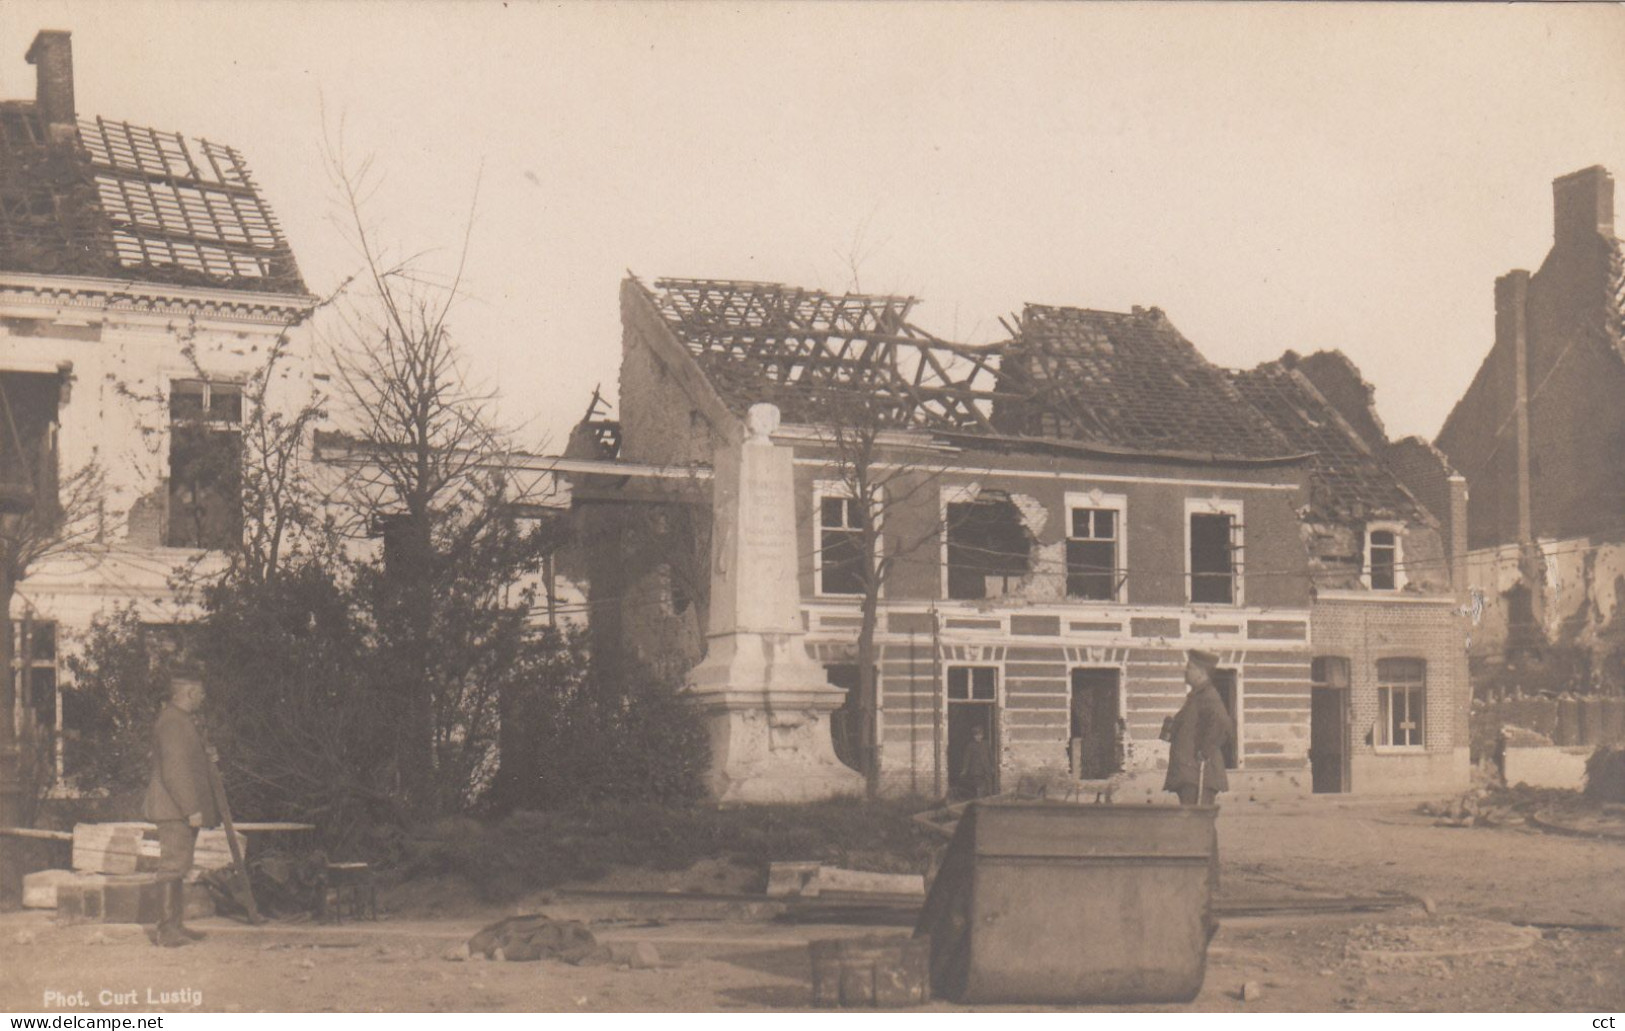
(39, 887)
(1550, 767)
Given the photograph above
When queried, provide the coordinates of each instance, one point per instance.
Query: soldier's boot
(168, 933)
(179, 888)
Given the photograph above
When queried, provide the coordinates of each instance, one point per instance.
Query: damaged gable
(1363, 526)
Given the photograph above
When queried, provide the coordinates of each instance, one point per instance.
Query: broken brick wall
(1550, 618)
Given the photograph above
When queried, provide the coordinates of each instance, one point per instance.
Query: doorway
(1328, 725)
(1224, 680)
(973, 703)
(1095, 747)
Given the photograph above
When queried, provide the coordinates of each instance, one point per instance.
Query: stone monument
(767, 703)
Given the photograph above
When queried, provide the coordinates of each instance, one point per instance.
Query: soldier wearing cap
(180, 800)
(1198, 736)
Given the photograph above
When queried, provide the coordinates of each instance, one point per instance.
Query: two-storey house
(1070, 510)
(143, 281)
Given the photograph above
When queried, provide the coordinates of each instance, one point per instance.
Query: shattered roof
(119, 201)
(1348, 481)
(1129, 381)
(1123, 382)
(807, 351)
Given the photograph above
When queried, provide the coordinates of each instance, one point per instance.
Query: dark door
(973, 705)
(1328, 730)
(1096, 711)
(1224, 680)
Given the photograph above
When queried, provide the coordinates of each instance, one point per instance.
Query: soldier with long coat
(1201, 730)
(180, 799)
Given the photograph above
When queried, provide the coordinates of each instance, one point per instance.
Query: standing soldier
(180, 799)
(977, 771)
(1200, 732)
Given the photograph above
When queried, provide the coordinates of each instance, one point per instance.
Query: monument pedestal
(766, 702)
(767, 709)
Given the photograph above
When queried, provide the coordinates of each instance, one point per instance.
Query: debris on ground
(812, 879)
(1470, 810)
(1252, 991)
(524, 939)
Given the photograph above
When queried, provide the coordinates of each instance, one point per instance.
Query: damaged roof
(117, 201)
(1348, 481)
(1129, 381)
(808, 351)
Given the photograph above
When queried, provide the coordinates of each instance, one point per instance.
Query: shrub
(1605, 774)
(613, 733)
(121, 680)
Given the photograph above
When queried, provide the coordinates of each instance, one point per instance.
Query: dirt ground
(1520, 920)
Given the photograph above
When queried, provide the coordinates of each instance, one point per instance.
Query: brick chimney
(1584, 205)
(52, 57)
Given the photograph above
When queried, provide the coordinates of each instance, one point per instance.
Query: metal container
(1058, 903)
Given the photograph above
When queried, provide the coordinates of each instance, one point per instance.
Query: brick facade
(1366, 630)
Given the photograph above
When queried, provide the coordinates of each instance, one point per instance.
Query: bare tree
(882, 477)
(435, 483)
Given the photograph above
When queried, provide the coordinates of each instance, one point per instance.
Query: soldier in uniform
(180, 800)
(1199, 734)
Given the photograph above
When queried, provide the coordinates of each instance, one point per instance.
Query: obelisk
(766, 702)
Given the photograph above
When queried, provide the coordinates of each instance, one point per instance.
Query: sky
(1349, 176)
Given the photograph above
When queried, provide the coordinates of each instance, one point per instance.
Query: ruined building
(1061, 514)
(143, 278)
(1539, 435)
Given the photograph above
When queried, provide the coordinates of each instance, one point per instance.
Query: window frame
(1387, 686)
(1235, 509)
(1099, 500)
(823, 489)
(203, 423)
(1366, 567)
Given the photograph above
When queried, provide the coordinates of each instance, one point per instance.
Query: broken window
(1091, 554)
(1382, 559)
(1214, 543)
(989, 550)
(1401, 702)
(205, 464)
(840, 546)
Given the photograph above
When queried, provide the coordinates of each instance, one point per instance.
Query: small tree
(854, 426)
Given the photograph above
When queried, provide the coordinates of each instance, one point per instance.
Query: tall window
(35, 677)
(205, 464)
(1215, 553)
(1382, 559)
(1092, 563)
(1401, 703)
(840, 546)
